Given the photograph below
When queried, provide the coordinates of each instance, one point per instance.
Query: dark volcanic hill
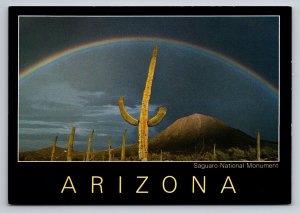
(199, 132)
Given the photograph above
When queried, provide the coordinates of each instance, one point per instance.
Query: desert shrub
(207, 156)
(236, 153)
(250, 153)
(269, 153)
(222, 156)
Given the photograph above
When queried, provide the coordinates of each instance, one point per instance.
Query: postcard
(149, 105)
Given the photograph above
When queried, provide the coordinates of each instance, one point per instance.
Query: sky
(82, 89)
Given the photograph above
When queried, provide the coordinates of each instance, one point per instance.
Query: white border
(293, 208)
(157, 16)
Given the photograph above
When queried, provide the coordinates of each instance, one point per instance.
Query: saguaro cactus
(70, 145)
(258, 146)
(109, 148)
(54, 149)
(215, 156)
(93, 155)
(89, 146)
(123, 153)
(161, 155)
(143, 123)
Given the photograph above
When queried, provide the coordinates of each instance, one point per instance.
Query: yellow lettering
(201, 187)
(228, 187)
(145, 179)
(120, 184)
(175, 184)
(97, 184)
(68, 187)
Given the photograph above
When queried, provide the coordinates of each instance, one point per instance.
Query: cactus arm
(128, 118)
(158, 117)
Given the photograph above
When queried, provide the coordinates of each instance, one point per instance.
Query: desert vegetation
(261, 151)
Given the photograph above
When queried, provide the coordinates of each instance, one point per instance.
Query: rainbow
(84, 46)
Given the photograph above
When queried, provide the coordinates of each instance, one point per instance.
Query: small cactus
(144, 122)
(109, 148)
(89, 146)
(123, 152)
(161, 155)
(93, 155)
(54, 149)
(70, 145)
(258, 146)
(215, 155)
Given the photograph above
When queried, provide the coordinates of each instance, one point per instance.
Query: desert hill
(199, 132)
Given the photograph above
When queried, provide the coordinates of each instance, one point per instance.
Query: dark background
(40, 183)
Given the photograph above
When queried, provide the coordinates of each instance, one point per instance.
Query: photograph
(162, 88)
(139, 106)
